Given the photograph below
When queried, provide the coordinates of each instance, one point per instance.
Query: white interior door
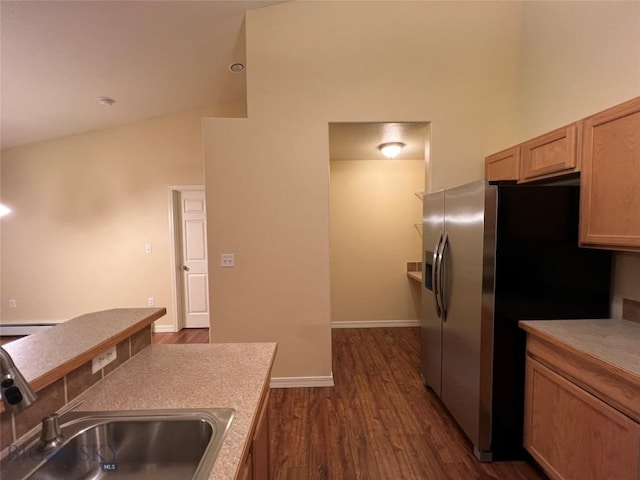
(195, 281)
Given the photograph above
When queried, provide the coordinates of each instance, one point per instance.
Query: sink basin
(158, 444)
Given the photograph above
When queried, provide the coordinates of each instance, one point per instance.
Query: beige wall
(373, 213)
(85, 206)
(83, 209)
(267, 177)
(577, 59)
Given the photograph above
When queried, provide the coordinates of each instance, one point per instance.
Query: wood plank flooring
(186, 335)
(378, 423)
(4, 339)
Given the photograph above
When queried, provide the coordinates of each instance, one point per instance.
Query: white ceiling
(152, 57)
(360, 141)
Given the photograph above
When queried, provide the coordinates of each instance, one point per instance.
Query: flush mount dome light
(236, 67)
(4, 210)
(391, 149)
(106, 101)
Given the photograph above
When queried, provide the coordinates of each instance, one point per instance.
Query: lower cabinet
(246, 470)
(260, 444)
(255, 465)
(574, 435)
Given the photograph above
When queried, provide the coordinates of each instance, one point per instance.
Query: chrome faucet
(50, 436)
(16, 392)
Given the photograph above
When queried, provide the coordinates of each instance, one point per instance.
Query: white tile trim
(376, 324)
(293, 382)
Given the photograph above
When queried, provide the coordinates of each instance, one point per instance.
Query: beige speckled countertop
(615, 342)
(417, 276)
(231, 375)
(50, 354)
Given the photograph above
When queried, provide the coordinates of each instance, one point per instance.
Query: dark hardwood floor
(378, 423)
(9, 338)
(186, 335)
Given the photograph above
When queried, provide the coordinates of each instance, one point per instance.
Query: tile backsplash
(631, 310)
(64, 390)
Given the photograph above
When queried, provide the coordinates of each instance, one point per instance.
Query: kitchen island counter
(49, 355)
(194, 376)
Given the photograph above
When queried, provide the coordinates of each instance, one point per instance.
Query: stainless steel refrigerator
(494, 255)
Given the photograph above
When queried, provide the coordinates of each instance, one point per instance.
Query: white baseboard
(376, 324)
(20, 329)
(164, 329)
(304, 382)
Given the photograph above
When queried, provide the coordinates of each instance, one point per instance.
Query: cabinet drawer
(504, 165)
(610, 385)
(550, 154)
(572, 434)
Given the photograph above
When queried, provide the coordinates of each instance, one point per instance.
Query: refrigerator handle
(440, 280)
(434, 277)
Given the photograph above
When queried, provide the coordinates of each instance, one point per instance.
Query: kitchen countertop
(231, 375)
(417, 276)
(48, 355)
(613, 341)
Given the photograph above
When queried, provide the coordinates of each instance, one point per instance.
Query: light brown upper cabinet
(504, 165)
(610, 178)
(549, 155)
(554, 153)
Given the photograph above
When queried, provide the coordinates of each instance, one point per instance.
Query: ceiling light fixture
(106, 101)
(4, 210)
(391, 149)
(236, 67)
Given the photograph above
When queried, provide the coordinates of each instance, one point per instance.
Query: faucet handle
(50, 436)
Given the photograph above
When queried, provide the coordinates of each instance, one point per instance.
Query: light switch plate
(104, 359)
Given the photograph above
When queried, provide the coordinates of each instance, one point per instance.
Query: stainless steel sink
(158, 444)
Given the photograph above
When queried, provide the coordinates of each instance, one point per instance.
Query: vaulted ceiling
(152, 57)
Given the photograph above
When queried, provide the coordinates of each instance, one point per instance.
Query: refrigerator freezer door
(431, 324)
(462, 292)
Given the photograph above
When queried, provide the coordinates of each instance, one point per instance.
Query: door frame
(175, 219)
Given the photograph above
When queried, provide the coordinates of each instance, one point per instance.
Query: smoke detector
(106, 101)
(236, 67)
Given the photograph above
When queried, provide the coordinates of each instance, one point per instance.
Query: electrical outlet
(151, 302)
(12, 303)
(228, 260)
(104, 359)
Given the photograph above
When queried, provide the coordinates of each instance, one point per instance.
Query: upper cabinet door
(610, 179)
(504, 165)
(550, 154)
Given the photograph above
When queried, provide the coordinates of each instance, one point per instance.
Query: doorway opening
(190, 279)
(376, 222)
